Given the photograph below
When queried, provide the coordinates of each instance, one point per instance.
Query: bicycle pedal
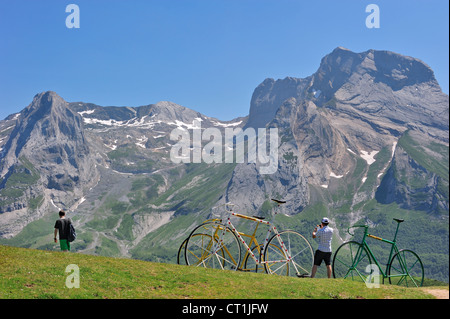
(303, 275)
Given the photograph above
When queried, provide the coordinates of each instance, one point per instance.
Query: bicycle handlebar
(228, 207)
(355, 226)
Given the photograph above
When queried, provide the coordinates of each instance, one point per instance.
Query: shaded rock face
(269, 96)
(250, 189)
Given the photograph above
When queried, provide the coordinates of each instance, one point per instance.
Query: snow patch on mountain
(369, 157)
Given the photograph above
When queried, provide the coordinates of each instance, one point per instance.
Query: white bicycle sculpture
(216, 243)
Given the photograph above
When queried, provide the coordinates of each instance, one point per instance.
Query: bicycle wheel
(181, 250)
(276, 257)
(249, 263)
(351, 261)
(406, 269)
(212, 245)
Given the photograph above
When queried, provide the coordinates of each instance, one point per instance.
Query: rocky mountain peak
(387, 68)
(47, 143)
(43, 104)
(372, 85)
(168, 111)
(45, 101)
(47, 117)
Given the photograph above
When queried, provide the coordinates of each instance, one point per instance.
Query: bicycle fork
(220, 245)
(357, 259)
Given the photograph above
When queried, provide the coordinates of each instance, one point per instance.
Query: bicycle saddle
(279, 201)
(259, 217)
(399, 220)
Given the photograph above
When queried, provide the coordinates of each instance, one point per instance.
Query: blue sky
(208, 55)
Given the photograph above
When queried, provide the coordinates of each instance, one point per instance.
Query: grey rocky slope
(45, 160)
(354, 106)
(52, 151)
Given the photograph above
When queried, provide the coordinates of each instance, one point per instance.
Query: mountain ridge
(357, 71)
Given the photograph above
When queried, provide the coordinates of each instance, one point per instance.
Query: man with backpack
(64, 227)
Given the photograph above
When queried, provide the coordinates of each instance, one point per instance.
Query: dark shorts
(320, 255)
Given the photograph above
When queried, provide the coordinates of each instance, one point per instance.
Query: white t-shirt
(323, 237)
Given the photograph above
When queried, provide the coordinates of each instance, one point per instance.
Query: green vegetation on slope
(421, 153)
(434, 157)
(21, 177)
(111, 278)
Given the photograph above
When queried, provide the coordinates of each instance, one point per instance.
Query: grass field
(30, 274)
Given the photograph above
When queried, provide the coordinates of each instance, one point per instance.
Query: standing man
(324, 236)
(62, 226)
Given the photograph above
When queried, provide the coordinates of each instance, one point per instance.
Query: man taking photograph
(323, 235)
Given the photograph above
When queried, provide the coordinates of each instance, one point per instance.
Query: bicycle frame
(394, 248)
(271, 229)
(253, 240)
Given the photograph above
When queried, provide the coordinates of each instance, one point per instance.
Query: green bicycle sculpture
(355, 261)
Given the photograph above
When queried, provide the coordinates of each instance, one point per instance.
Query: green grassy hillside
(28, 273)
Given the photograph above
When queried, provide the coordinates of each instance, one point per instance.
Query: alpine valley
(364, 139)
